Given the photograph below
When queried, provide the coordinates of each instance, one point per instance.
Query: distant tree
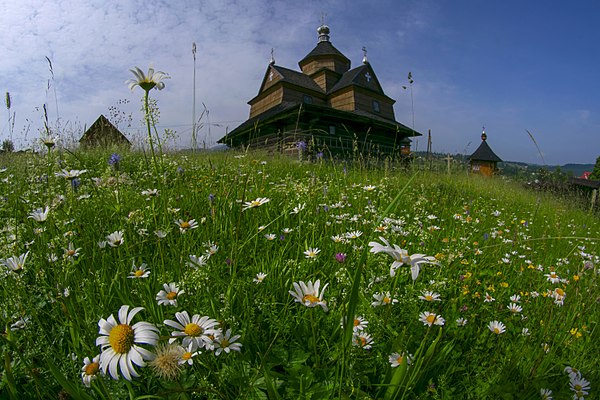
(8, 146)
(595, 175)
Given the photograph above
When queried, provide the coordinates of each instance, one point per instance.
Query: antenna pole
(194, 144)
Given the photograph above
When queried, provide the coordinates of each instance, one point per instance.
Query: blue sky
(510, 66)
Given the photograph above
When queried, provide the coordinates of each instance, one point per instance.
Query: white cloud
(92, 44)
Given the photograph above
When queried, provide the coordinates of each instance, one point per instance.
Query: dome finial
(483, 135)
(323, 30)
(365, 61)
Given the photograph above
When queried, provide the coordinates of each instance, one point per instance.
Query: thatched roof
(103, 133)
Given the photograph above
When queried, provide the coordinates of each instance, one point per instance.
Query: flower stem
(147, 110)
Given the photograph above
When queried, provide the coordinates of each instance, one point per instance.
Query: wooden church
(484, 161)
(327, 107)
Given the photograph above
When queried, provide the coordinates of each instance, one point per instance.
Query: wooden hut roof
(484, 152)
(103, 132)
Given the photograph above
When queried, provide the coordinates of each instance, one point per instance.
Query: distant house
(326, 107)
(103, 134)
(484, 161)
(586, 175)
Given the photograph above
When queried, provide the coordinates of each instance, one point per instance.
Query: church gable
(362, 76)
(271, 78)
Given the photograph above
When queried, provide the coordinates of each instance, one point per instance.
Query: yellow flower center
(185, 225)
(70, 253)
(560, 292)
(386, 300)
(254, 203)
(121, 338)
(430, 318)
(187, 355)
(92, 368)
(171, 295)
(192, 329)
(363, 341)
(428, 297)
(310, 298)
(356, 322)
(224, 343)
(139, 272)
(497, 330)
(400, 359)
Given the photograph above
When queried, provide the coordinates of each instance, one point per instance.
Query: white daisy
(383, 299)
(496, 327)
(139, 272)
(185, 226)
(255, 203)
(429, 318)
(226, 343)
(362, 339)
(197, 330)
(90, 370)
(397, 359)
(119, 343)
(15, 263)
(259, 277)
(197, 262)
(309, 294)
(430, 296)
(168, 296)
(115, 239)
(188, 354)
(39, 214)
(311, 253)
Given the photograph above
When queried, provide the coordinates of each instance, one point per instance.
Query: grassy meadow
(247, 268)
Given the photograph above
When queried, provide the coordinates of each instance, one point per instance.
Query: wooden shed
(103, 134)
(484, 161)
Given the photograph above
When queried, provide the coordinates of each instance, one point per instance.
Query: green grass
(488, 235)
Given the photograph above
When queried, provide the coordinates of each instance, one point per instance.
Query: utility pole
(429, 152)
(194, 144)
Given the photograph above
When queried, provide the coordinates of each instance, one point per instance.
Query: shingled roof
(324, 48)
(484, 152)
(297, 78)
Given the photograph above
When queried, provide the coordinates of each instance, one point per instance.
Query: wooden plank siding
(330, 63)
(363, 100)
(343, 100)
(326, 79)
(269, 99)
